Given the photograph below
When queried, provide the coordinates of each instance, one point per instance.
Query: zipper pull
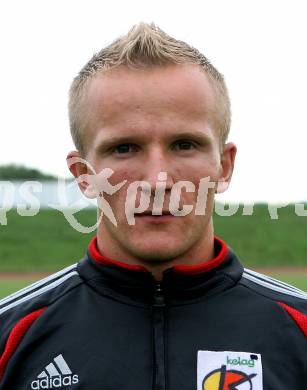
(159, 299)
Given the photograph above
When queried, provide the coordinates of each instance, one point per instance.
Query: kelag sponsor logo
(223, 379)
(229, 370)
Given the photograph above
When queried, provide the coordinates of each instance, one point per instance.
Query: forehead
(170, 94)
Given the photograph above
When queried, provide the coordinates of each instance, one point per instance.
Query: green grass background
(46, 242)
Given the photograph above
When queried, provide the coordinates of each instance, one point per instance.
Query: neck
(202, 251)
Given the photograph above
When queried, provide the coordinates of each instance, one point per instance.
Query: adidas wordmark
(57, 374)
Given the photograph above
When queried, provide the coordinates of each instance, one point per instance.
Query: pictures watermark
(137, 197)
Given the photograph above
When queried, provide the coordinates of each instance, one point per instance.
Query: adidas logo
(57, 374)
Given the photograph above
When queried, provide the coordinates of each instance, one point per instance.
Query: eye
(184, 145)
(124, 148)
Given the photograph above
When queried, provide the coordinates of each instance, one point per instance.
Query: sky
(259, 46)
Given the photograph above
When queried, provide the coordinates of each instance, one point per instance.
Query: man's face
(141, 123)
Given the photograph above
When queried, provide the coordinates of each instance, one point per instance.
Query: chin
(157, 248)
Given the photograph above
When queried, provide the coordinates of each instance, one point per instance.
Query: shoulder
(290, 300)
(19, 311)
(32, 300)
(40, 290)
(273, 288)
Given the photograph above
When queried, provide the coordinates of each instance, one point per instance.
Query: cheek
(199, 168)
(120, 175)
(118, 200)
(203, 195)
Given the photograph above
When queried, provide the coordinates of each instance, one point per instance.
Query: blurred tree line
(20, 172)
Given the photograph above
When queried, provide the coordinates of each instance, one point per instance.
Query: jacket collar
(179, 284)
(220, 249)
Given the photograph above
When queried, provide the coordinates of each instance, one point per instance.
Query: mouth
(148, 217)
(149, 213)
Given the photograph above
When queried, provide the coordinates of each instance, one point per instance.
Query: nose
(157, 168)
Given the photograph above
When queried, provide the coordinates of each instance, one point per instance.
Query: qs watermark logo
(137, 198)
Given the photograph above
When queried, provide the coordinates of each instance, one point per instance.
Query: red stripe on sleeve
(15, 337)
(299, 318)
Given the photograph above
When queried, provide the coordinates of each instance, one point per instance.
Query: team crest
(229, 370)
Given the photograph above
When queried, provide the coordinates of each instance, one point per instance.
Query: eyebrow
(110, 142)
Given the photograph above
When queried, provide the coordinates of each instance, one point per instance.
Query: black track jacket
(104, 325)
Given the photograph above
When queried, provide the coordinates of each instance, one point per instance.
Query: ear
(81, 169)
(227, 165)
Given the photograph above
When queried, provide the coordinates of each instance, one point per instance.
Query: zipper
(159, 382)
(159, 299)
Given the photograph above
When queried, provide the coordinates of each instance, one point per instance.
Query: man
(158, 302)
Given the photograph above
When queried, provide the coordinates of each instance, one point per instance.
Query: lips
(149, 213)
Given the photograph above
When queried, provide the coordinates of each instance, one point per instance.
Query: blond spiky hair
(145, 46)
